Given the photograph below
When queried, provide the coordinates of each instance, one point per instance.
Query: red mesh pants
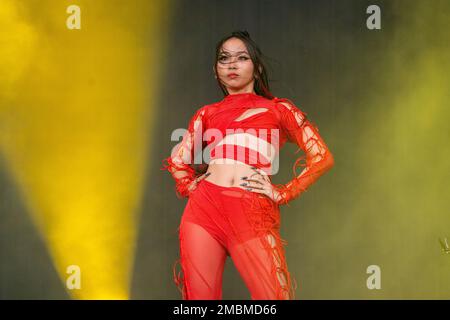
(229, 221)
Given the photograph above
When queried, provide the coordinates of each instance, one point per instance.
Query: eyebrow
(225, 52)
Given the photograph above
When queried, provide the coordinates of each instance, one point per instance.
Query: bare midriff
(229, 174)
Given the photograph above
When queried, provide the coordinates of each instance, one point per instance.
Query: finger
(261, 175)
(255, 187)
(263, 192)
(203, 176)
(254, 184)
(254, 175)
(254, 180)
(257, 171)
(261, 180)
(257, 178)
(257, 190)
(266, 178)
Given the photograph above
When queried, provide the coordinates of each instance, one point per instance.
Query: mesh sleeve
(317, 158)
(181, 162)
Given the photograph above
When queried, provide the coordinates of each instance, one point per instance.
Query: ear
(260, 70)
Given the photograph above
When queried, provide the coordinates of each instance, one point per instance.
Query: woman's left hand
(260, 183)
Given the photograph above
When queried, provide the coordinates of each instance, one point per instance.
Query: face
(235, 67)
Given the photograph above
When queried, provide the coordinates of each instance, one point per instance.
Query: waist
(230, 174)
(232, 164)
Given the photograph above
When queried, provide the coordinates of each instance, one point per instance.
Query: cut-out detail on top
(250, 113)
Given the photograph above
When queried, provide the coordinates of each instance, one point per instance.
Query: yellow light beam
(75, 111)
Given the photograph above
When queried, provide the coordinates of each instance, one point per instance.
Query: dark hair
(261, 84)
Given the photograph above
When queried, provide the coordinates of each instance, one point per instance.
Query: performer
(233, 208)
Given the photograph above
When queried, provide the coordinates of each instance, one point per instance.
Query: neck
(241, 92)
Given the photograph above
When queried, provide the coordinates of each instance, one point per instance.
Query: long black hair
(261, 84)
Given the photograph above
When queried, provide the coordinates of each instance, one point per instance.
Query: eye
(222, 58)
(243, 58)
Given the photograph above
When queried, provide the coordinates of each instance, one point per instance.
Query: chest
(258, 117)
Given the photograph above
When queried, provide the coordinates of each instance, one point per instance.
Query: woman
(233, 208)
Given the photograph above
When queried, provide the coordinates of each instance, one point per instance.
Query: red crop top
(250, 129)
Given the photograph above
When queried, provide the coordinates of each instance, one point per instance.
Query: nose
(232, 64)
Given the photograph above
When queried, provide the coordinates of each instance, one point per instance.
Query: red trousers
(229, 221)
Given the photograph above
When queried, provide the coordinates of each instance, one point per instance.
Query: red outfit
(220, 221)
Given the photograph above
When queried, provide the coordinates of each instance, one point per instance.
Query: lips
(232, 75)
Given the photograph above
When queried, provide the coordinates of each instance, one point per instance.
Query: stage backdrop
(90, 92)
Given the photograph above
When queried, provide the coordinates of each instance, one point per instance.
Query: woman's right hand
(193, 185)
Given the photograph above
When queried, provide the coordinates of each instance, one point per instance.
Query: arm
(180, 163)
(318, 158)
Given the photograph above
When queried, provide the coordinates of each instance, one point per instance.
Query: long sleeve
(317, 158)
(182, 159)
